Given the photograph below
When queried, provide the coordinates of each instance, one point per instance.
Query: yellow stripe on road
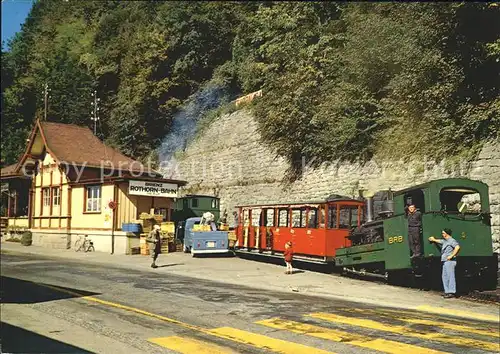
(123, 307)
(264, 342)
(359, 322)
(458, 313)
(379, 344)
(257, 340)
(189, 345)
(435, 322)
(454, 327)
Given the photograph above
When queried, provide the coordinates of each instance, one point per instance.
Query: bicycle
(84, 244)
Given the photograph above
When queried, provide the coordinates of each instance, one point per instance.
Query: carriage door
(255, 228)
(268, 225)
(246, 227)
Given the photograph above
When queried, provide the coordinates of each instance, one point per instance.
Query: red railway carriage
(316, 229)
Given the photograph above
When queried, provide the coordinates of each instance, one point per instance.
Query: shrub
(26, 239)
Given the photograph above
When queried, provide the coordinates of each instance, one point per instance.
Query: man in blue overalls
(449, 250)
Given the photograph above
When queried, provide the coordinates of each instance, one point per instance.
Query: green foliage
(374, 78)
(340, 81)
(26, 238)
(143, 58)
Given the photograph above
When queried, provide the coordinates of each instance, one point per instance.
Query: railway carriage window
(246, 219)
(348, 217)
(344, 218)
(283, 218)
(332, 217)
(256, 217)
(313, 218)
(296, 217)
(214, 203)
(194, 203)
(269, 217)
(461, 200)
(354, 217)
(322, 218)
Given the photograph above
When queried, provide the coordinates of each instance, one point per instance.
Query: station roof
(10, 172)
(75, 145)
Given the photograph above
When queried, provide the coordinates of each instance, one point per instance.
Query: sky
(14, 13)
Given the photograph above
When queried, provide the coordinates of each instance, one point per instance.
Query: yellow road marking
(232, 334)
(458, 313)
(123, 307)
(189, 345)
(469, 342)
(441, 322)
(379, 344)
(264, 342)
(454, 327)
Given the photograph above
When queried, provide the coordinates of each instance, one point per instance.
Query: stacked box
(168, 227)
(164, 246)
(144, 245)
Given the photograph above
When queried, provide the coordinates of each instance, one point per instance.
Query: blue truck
(202, 242)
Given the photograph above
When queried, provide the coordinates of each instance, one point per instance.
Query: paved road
(53, 305)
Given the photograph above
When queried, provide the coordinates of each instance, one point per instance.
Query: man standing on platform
(449, 250)
(414, 226)
(154, 240)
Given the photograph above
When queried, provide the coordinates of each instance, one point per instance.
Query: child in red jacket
(288, 257)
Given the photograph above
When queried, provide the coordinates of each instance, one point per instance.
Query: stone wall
(229, 160)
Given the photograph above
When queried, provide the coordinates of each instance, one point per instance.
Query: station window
(332, 217)
(283, 218)
(93, 199)
(46, 196)
(348, 217)
(56, 196)
(194, 203)
(163, 212)
(462, 200)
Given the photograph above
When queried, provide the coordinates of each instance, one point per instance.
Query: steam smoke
(184, 125)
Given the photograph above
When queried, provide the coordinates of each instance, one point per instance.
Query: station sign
(152, 189)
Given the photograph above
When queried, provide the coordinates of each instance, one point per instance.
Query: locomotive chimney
(368, 195)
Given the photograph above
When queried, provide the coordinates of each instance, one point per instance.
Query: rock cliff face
(229, 160)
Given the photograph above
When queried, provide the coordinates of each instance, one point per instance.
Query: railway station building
(68, 184)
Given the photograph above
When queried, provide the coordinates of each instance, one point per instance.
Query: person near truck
(414, 228)
(449, 251)
(154, 241)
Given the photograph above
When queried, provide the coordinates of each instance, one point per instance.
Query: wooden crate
(164, 246)
(135, 250)
(144, 250)
(158, 218)
(144, 245)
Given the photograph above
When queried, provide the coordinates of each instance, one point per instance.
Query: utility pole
(95, 110)
(45, 100)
